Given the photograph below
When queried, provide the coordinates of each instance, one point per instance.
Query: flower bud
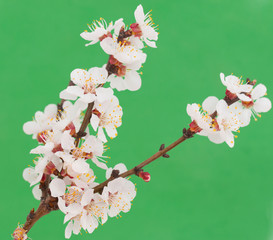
(145, 176)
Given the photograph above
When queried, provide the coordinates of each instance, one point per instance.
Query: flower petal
(87, 196)
(57, 187)
(68, 229)
(262, 105)
(209, 104)
(133, 80)
(258, 92)
(37, 193)
(80, 166)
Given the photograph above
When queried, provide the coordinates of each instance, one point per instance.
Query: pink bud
(145, 176)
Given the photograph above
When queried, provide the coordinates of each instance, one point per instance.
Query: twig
(186, 134)
(88, 114)
(47, 204)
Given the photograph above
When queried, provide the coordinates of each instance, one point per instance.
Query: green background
(204, 191)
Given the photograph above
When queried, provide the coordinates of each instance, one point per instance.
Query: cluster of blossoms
(219, 119)
(68, 153)
(72, 135)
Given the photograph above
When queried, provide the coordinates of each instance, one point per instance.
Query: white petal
(104, 94)
(95, 122)
(150, 43)
(99, 164)
(57, 187)
(90, 36)
(117, 83)
(31, 127)
(67, 141)
(80, 166)
(98, 75)
(87, 196)
(215, 138)
(221, 107)
(243, 97)
(117, 25)
(29, 175)
(67, 95)
(133, 80)
(51, 110)
(68, 229)
(101, 135)
(37, 193)
(262, 105)
(76, 90)
(222, 77)
(258, 92)
(88, 98)
(108, 173)
(209, 104)
(108, 45)
(111, 131)
(121, 167)
(139, 14)
(229, 139)
(76, 227)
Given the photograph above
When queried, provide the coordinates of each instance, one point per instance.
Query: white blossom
(144, 27)
(88, 86)
(100, 30)
(235, 87)
(119, 194)
(107, 115)
(258, 103)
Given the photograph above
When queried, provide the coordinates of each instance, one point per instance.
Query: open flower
(45, 122)
(91, 148)
(70, 204)
(201, 116)
(100, 30)
(124, 76)
(235, 87)
(144, 27)
(83, 208)
(94, 210)
(118, 194)
(88, 86)
(42, 121)
(229, 119)
(107, 115)
(123, 52)
(258, 103)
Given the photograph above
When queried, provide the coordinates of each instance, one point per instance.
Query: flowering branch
(63, 176)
